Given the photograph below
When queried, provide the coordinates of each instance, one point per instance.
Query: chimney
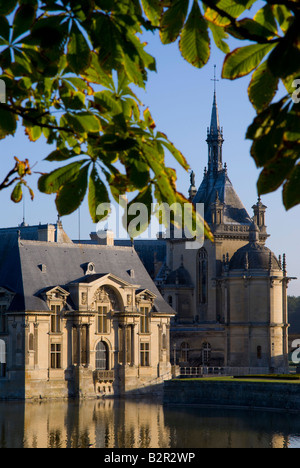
(105, 237)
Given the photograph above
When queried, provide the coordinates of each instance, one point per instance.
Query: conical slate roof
(234, 210)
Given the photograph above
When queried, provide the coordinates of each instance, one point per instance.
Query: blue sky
(180, 99)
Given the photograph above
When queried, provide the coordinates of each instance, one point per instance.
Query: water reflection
(131, 424)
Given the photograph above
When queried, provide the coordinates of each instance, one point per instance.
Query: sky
(180, 98)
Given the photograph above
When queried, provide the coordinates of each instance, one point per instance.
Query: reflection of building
(129, 424)
(77, 320)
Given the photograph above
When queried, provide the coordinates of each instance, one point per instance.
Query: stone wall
(268, 395)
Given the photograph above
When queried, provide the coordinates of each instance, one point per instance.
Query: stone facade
(231, 295)
(79, 321)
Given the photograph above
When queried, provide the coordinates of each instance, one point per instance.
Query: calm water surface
(137, 424)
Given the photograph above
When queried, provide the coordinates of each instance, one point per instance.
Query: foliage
(70, 66)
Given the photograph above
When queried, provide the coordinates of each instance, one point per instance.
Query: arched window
(102, 356)
(184, 352)
(206, 354)
(202, 276)
(31, 342)
(2, 358)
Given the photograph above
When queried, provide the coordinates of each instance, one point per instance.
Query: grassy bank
(248, 378)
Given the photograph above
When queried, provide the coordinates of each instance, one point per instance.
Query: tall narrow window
(102, 320)
(206, 354)
(145, 354)
(31, 342)
(101, 356)
(55, 356)
(3, 319)
(55, 319)
(2, 358)
(84, 346)
(184, 351)
(145, 320)
(202, 276)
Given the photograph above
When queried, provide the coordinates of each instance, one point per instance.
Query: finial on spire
(215, 80)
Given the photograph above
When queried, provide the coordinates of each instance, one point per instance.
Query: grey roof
(180, 277)
(20, 270)
(255, 256)
(234, 210)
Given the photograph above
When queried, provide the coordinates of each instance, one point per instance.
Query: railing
(104, 376)
(226, 371)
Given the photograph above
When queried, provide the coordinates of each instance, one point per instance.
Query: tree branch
(237, 27)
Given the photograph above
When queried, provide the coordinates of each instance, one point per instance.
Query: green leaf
(8, 124)
(153, 10)
(266, 18)
(114, 143)
(219, 35)
(83, 122)
(7, 7)
(291, 189)
(97, 194)
(284, 16)
(263, 87)
(137, 222)
(24, 18)
(233, 7)
(34, 133)
(195, 43)
(276, 172)
(78, 51)
(173, 20)
(95, 73)
(108, 102)
(244, 60)
(163, 180)
(4, 28)
(285, 58)
(267, 132)
(17, 193)
(174, 151)
(51, 183)
(60, 155)
(71, 195)
(137, 170)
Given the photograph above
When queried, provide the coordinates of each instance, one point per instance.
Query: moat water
(138, 424)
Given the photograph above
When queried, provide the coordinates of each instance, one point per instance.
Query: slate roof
(256, 256)
(180, 277)
(20, 271)
(234, 210)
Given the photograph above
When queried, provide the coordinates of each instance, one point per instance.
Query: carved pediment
(56, 293)
(145, 295)
(6, 296)
(107, 295)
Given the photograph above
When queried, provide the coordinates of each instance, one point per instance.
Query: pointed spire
(215, 136)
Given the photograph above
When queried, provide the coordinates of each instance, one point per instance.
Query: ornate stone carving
(106, 295)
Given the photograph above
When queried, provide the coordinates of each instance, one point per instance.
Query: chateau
(231, 295)
(77, 320)
(103, 317)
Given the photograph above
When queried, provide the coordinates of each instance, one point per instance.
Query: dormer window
(90, 269)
